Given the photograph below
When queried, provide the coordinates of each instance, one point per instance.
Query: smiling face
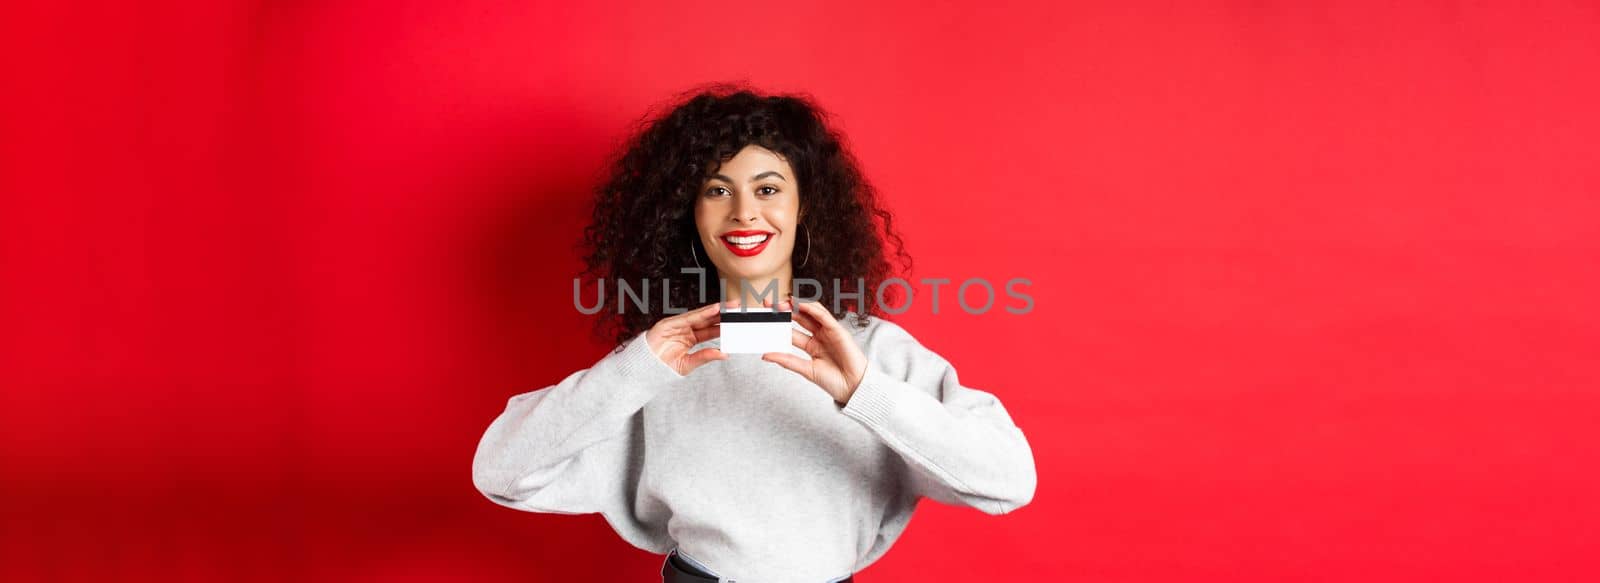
(746, 215)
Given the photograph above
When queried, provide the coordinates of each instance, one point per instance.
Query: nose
(744, 208)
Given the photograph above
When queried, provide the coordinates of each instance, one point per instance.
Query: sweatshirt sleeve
(959, 443)
(574, 447)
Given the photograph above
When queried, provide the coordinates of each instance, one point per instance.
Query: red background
(1315, 285)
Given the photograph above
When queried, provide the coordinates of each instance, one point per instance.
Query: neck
(748, 292)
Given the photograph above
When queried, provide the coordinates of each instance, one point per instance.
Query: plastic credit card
(756, 332)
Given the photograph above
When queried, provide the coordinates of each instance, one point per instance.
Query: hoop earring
(696, 256)
(808, 247)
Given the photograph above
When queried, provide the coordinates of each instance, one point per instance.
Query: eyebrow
(754, 178)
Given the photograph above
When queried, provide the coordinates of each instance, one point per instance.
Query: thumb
(789, 361)
(694, 359)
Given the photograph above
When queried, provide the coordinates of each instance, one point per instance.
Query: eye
(715, 190)
(767, 190)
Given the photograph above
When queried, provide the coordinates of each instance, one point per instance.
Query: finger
(822, 340)
(701, 314)
(707, 333)
(803, 319)
(697, 318)
(694, 359)
(709, 321)
(807, 321)
(834, 330)
(815, 310)
(789, 361)
(803, 342)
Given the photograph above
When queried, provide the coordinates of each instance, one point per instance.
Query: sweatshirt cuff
(874, 399)
(638, 363)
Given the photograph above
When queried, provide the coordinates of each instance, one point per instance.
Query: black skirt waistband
(677, 570)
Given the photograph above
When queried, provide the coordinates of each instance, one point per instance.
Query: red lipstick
(746, 233)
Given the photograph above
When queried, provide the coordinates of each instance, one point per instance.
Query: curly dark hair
(642, 220)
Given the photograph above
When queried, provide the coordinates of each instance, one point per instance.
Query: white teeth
(747, 242)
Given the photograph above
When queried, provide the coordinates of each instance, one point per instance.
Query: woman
(801, 466)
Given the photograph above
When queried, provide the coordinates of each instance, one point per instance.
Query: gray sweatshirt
(749, 468)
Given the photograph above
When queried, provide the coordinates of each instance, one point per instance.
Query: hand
(837, 364)
(671, 338)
